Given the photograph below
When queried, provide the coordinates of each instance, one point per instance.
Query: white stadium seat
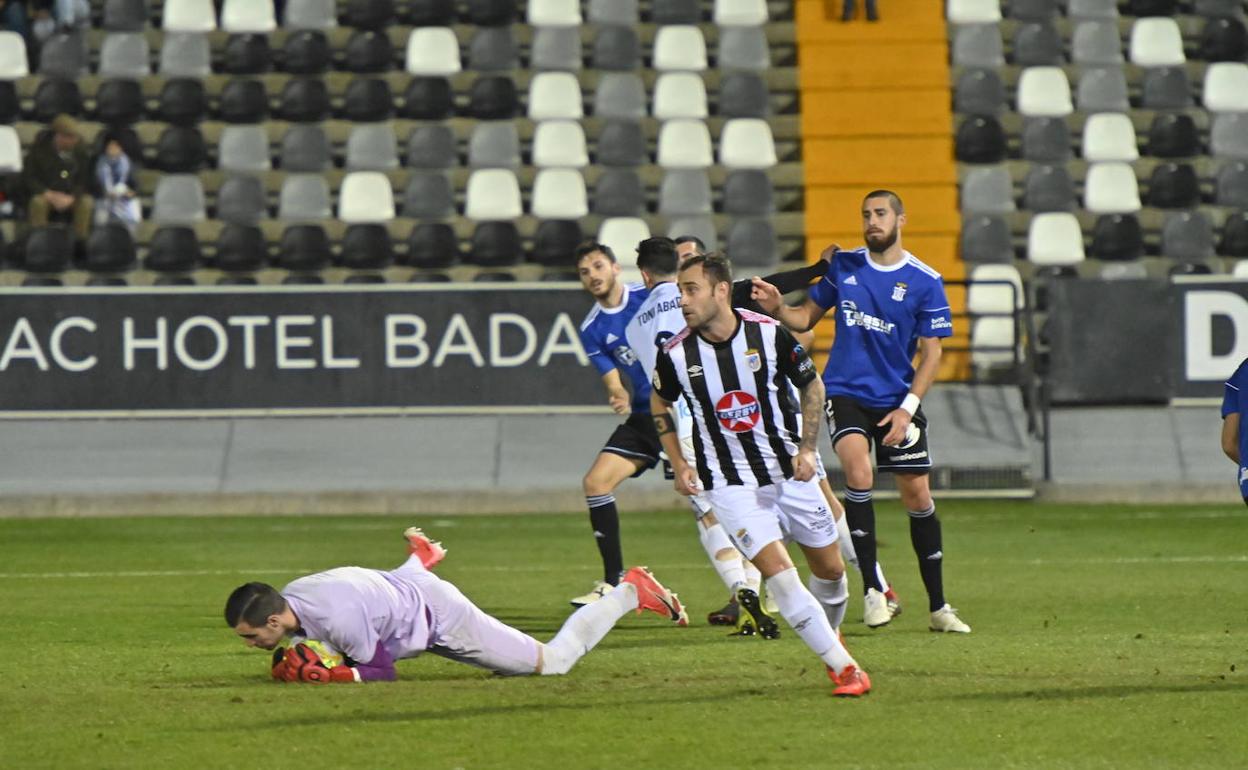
(554, 13)
(1044, 92)
(1109, 136)
(992, 342)
(740, 13)
(973, 12)
(747, 143)
(433, 51)
(685, 144)
(492, 193)
(365, 196)
(559, 144)
(248, 16)
(679, 95)
(1110, 188)
(680, 47)
(1156, 41)
(623, 234)
(555, 96)
(189, 16)
(994, 289)
(13, 61)
(1054, 239)
(559, 193)
(10, 151)
(1226, 87)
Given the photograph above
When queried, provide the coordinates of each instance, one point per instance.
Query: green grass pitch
(1104, 636)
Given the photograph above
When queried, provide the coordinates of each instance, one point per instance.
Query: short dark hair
(589, 247)
(695, 240)
(253, 603)
(715, 266)
(894, 200)
(657, 256)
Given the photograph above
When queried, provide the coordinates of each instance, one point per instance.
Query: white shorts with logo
(789, 510)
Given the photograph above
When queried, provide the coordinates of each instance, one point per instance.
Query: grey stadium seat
(685, 191)
(305, 148)
(494, 144)
(429, 195)
(752, 243)
(244, 148)
(620, 95)
(372, 147)
(179, 199)
(1037, 45)
(978, 45)
(1232, 185)
(979, 92)
(1092, 9)
(619, 193)
(1187, 236)
(622, 143)
(1165, 88)
(125, 55)
(125, 15)
(702, 228)
(987, 190)
(1046, 140)
(1228, 137)
(676, 12)
(493, 49)
(748, 192)
(556, 48)
(304, 197)
(743, 95)
(1048, 188)
(743, 48)
(986, 240)
(432, 146)
(310, 14)
(614, 12)
(1096, 42)
(64, 55)
(1102, 89)
(616, 48)
(241, 200)
(185, 55)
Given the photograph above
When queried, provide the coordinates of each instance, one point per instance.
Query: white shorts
(789, 510)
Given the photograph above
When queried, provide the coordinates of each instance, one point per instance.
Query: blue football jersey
(1235, 399)
(604, 337)
(880, 314)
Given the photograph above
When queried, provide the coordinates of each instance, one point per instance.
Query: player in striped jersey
(755, 452)
(889, 304)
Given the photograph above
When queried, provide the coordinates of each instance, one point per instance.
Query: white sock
(833, 595)
(753, 578)
(846, 542)
(585, 628)
(879, 573)
(802, 611)
(723, 554)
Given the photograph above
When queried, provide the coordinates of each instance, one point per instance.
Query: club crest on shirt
(899, 291)
(753, 360)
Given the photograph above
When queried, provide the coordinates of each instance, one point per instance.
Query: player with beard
(889, 304)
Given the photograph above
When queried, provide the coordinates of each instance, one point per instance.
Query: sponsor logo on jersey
(909, 456)
(855, 317)
(695, 370)
(737, 411)
(611, 338)
(941, 322)
(899, 291)
(753, 360)
(851, 281)
(624, 355)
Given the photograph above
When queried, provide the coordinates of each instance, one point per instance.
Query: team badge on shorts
(753, 360)
(737, 411)
(899, 291)
(744, 538)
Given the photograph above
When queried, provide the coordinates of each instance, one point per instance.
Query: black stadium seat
(367, 247)
(1117, 237)
(173, 250)
(304, 247)
(1174, 186)
(980, 139)
(368, 100)
(555, 241)
(1235, 235)
(55, 96)
(1153, 7)
(430, 13)
(247, 55)
(369, 14)
(432, 245)
(119, 102)
(49, 249)
(490, 13)
(241, 248)
(428, 98)
(496, 244)
(181, 150)
(10, 106)
(183, 101)
(306, 52)
(243, 100)
(1224, 40)
(109, 248)
(1173, 135)
(304, 100)
(368, 52)
(493, 98)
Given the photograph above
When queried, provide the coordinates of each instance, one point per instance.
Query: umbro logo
(851, 281)
(611, 338)
(857, 533)
(936, 556)
(695, 370)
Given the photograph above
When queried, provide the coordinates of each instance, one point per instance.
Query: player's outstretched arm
(812, 396)
(1230, 436)
(800, 318)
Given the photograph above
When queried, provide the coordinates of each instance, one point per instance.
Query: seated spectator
(57, 177)
(72, 14)
(113, 174)
(42, 22)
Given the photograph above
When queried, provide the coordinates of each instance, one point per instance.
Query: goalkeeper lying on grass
(374, 618)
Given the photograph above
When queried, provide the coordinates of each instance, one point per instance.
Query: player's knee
(595, 484)
(859, 476)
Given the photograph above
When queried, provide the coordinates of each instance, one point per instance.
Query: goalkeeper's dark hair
(715, 267)
(253, 603)
(589, 247)
(657, 256)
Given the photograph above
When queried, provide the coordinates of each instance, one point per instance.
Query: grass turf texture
(1106, 636)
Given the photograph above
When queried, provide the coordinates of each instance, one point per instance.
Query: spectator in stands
(13, 17)
(42, 22)
(850, 9)
(57, 177)
(114, 175)
(72, 14)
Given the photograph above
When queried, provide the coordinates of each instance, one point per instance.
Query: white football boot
(599, 590)
(946, 619)
(875, 609)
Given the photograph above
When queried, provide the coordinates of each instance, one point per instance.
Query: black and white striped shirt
(747, 426)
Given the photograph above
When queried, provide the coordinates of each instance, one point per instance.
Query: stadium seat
(125, 55)
(183, 101)
(559, 193)
(1110, 188)
(1096, 42)
(613, 12)
(1102, 89)
(365, 196)
(429, 195)
(685, 144)
(247, 55)
(993, 343)
(559, 143)
(306, 52)
(305, 148)
(49, 249)
(494, 144)
(1117, 237)
(10, 151)
(36, 281)
(495, 244)
(240, 248)
(752, 242)
(1152, 7)
(1044, 92)
(373, 15)
(432, 146)
(679, 95)
(13, 61)
(1109, 136)
(1234, 241)
(120, 102)
(1156, 42)
(1217, 9)
(744, 95)
(179, 199)
(300, 278)
(978, 45)
(430, 13)
(180, 150)
(433, 51)
(676, 12)
(492, 97)
(619, 193)
(747, 143)
(1228, 137)
(1226, 87)
(367, 246)
(623, 234)
(684, 192)
(616, 48)
(1054, 240)
(679, 47)
(556, 48)
(1037, 45)
(1165, 88)
(432, 245)
(304, 197)
(1231, 185)
(110, 247)
(429, 98)
(368, 100)
(492, 193)
(1223, 40)
(973, 11)
(493, 49)
(748, 192)
(986, 239)
(979, 92)
(555, 96)
(1092, 9)
(241, 200)
(740, 13)
(64, 55)
(185, 55)
(255, 16)
(243, 148)
(1048, 188)
(987, 190)
(555, 241)
(554, 13)
(1033, 10)
(56, 96)
(125, 15)
(368, 52)
(701, 227)
(980, 139)
(1187, 236)
(620, 95)
(494, 277)
(173, 249)
(304, 247)
(189, 16)
(372, 147)
(310, 14)
(994, 289)
(622, 143)
(304, 99)
(1173, 135)
(1173, 186)
(490, 13)
(10, 105)
(743, 48)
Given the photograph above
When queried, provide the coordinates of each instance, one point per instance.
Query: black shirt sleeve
(787, 281)
(665, 382)
(792, 360)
